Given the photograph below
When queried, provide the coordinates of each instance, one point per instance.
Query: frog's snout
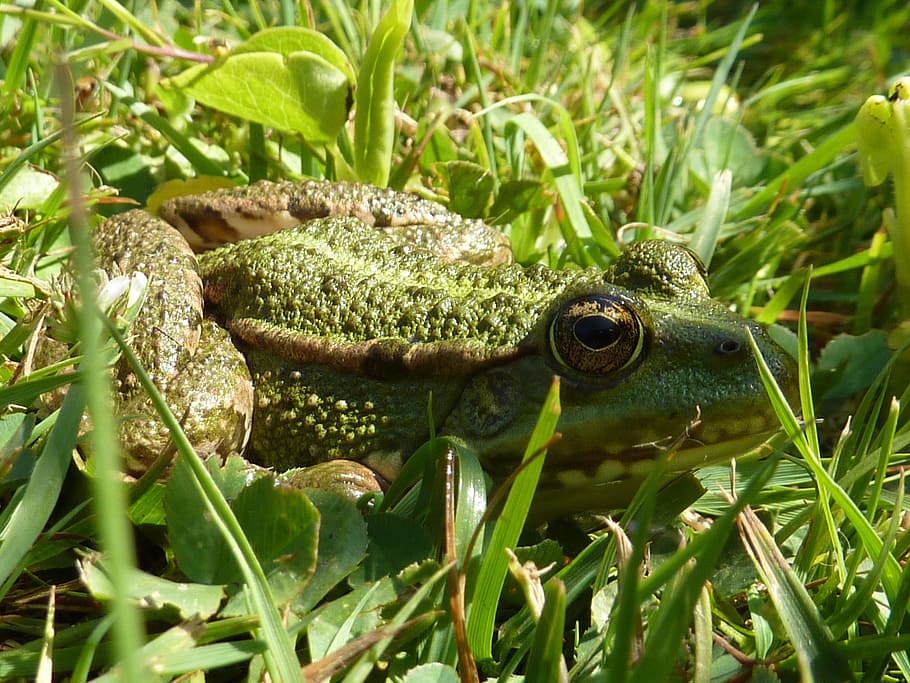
(784, 370)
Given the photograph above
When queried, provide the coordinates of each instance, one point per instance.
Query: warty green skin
(351, 330)
(310, 303)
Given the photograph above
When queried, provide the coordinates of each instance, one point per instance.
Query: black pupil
(596, 331)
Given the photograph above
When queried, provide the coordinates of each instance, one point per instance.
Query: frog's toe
(348, 478)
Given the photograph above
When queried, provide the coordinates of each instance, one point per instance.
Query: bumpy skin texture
(172, 312)
(341, 280)
(351, 331)
(192, 361)
(231, 215)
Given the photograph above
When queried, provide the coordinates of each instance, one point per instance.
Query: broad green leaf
(395, 542)
(282, 525)
(431, 673)
(199, 547)
(470, 503)
(27, 189)
(233, 475)
(287, 40)
(727, 146)
(849, 364)
(514, 198)
(288, 79)
(470, 188)
(342, 545)
(154, 592)
(147, 508)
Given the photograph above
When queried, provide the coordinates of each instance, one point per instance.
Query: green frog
(341, 320)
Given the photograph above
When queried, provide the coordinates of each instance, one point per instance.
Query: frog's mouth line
(638, 463)
(585, 468)
(611, 482)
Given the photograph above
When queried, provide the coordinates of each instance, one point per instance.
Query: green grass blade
(362, 668)
(704, 239)
(22, 158)
(545, 662)
(568, 183)
(869, 536)
(374, 118)
(861, 599)
(797, 173)
(703, 635)
(677, 606)
(201, 163)
(532, 73)
(134, 23)
(819, 657)
(108, 489)
(17, 63)
(44, 486)
(484, 597)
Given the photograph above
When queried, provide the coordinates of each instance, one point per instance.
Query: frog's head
(647, 360)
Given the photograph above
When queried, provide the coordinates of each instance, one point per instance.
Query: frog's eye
(597, 335)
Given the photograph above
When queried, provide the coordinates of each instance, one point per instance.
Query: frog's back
(342, 280)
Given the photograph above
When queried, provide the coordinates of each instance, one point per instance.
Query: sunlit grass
(577, 130)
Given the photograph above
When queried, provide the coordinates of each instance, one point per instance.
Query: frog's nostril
(728, 347)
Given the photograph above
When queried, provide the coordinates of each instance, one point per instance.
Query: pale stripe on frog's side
(348, 327)
(215, 218)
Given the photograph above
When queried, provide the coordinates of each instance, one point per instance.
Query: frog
(330, 328)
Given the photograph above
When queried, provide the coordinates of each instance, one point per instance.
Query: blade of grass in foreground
(567, 180)
(871, 540)
(44, 485)
(280, 658)
(545, 663)
(374, 118)
(817, 653)
(484, 598)
(108, 490)
(684, 588)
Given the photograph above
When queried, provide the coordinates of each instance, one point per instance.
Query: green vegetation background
(577, 127)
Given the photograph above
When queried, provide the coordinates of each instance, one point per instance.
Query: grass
(576, 129)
